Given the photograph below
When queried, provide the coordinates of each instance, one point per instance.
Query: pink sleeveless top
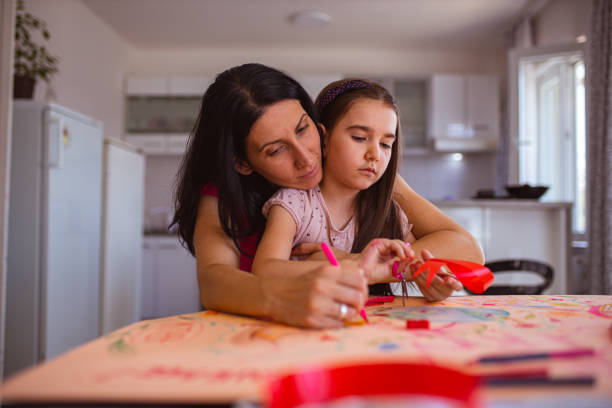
(247, 244)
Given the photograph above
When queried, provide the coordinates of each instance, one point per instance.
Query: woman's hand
(442, 285)
(379, 255)
(315, 298)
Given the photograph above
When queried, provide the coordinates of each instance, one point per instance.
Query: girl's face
(358, 148)
(284, 146)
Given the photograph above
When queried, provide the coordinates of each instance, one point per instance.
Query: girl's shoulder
(293, 200)
(290, 195)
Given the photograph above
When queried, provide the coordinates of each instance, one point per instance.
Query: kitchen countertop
(504, 203)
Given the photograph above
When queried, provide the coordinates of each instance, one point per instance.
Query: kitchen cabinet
(161, 111)
(464, 112)
(411, 96)
(514, 229)
(169, 278)
(167, 85)
(159, 144)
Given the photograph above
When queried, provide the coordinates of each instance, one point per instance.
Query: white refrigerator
(122, 234)
(53, 274)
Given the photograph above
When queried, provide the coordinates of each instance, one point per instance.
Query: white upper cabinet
(464, 112)
(165, 86)
(147, 86)
(188, 85)
(161, 111)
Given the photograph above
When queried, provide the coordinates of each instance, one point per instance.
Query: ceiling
(392, 24)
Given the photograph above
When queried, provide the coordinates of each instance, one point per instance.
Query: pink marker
(334, 262)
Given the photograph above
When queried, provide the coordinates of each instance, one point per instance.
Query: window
(551, 143)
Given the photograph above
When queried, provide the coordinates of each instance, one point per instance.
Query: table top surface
(212, 357)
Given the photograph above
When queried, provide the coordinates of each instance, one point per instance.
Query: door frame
(7, 44)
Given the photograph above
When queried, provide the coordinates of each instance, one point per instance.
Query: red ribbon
(323, 384)
(475, 277)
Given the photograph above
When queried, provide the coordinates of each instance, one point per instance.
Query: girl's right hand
(378, 256)
(315, 298)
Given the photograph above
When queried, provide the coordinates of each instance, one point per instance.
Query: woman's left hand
(442, 285)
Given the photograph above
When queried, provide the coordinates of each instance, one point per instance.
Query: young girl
(353, 204)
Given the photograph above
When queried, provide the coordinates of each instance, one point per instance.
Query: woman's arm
(310, 299)
(433, 230)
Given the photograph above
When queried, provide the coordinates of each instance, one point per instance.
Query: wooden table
(211, 357)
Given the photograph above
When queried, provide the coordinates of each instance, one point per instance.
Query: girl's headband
(334, 92)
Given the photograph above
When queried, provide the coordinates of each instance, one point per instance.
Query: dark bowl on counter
(526, 191)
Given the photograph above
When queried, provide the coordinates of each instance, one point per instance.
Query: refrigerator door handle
(55, 143)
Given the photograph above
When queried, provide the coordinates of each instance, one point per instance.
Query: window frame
(515, 58)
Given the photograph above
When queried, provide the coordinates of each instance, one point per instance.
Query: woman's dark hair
(230, 107)
(332, 104)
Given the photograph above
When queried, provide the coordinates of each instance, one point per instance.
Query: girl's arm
(433, 230)
(274, 248)
(311, 299)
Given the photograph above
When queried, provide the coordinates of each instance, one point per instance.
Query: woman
(256, 132)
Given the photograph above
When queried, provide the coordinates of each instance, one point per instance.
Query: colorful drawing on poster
(602, 310)
(442, 314)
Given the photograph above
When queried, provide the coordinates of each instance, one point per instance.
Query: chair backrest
(517, 265)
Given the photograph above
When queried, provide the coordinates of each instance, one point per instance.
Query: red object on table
(324, 384)
(379, 300)
(417, 324)
(475, 277)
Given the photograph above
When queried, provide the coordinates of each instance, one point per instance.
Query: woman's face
(284, 147)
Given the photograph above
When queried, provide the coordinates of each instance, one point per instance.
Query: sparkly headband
(334, 92)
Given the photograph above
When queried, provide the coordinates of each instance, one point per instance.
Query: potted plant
(32, 61)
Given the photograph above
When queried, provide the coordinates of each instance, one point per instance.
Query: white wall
(561, 21)
(7, 18)
(92, 62)
(317, 61)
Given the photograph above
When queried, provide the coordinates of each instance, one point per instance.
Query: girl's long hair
(230, 107)
(376, 212)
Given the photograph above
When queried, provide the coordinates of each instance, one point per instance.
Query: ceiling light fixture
(310, 19)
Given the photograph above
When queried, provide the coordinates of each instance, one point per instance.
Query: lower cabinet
(512, 229)
(169, 276)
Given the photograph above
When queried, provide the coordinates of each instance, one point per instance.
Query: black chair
(520, 265)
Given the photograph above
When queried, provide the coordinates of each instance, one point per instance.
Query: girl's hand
(309, 250)
(315, 298)
(379, 255)
(442, 285)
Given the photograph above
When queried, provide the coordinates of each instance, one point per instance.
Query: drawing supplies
(475, 277)
(502, 358)
(417, 324)
(379, 300)
(528, 373)
(401, 276)
(329, 254)
(540, 381)
(324, 384)
(332, 260)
